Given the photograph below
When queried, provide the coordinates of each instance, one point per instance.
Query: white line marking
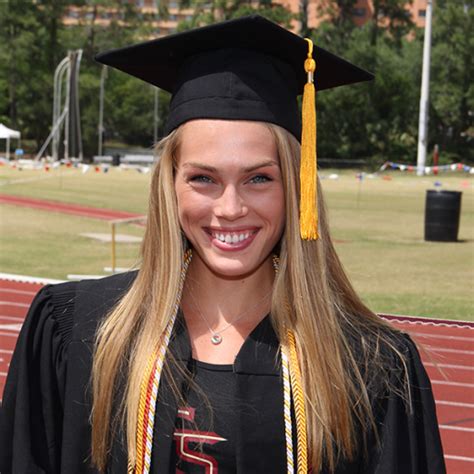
(456, 428)
(3, 373)
(11, 327)
(28, 279)
(6, 351)
(18, 292)
(455, 404)
(435, 349)
(458, 458)
(8, 334)
(12, 318)
(449, 366)
(442, 336)
(454, 384)
(13, 303)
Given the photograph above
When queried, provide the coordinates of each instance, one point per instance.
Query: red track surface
(448, 355)
(75, 209)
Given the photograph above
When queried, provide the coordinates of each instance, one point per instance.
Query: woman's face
(230, 193)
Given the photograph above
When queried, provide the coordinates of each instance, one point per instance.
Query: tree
(24, 54)
(390, 15)
(452, 89)
(377, 119)
(208, 12)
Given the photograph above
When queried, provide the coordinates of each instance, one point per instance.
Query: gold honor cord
(299, 405)
(149, 389)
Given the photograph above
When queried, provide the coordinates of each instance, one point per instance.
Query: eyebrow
(247, 169)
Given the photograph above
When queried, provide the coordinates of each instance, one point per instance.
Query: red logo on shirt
(185, 452)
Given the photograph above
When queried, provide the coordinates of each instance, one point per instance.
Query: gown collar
(258, 354)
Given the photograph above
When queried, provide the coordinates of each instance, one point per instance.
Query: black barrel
(442, 212)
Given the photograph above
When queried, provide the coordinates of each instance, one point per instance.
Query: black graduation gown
(46, 405)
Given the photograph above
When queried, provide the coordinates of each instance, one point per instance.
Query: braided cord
(149, 388)
(142, 409)
(298, 399)
(285, 365)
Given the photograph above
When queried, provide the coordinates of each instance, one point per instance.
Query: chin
(232, 267)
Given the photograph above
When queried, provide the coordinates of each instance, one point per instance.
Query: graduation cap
(244, 69)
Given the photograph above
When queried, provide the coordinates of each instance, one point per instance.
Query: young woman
(238, 346)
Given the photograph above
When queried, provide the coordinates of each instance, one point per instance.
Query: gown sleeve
(32, 409)
(410, 442)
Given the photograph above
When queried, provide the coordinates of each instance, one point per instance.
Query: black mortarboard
(244, 69)
(248, 69)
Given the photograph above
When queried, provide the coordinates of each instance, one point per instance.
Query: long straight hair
(340, 341)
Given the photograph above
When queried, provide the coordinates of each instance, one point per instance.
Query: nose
(230, 204)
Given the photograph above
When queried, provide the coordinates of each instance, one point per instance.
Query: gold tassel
(308, 166)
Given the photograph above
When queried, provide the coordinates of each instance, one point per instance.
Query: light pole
(103, 76)
(58, 79)
(425, 92)
(155, 116)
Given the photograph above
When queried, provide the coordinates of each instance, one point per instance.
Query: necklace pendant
(216, 339)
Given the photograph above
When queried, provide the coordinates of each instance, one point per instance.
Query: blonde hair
(340, 341)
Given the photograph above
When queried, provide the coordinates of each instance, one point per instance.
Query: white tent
(7, 133)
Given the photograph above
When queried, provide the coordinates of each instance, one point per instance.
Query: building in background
(362, 12)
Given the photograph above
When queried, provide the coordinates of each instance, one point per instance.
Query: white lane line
(18, 292)
(11, 327)
(9, 334)
(458, 458)
(449, 366)
(3, 374)
(28, 279)
(435, 349)
(456, 428)
(442, 336)
(454, 384)
(12, 318)
(6, 351)
(454, 404)
(13, 303)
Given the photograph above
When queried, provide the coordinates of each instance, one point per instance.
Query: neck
(221, 299)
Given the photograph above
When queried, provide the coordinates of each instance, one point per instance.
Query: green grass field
(377, 225)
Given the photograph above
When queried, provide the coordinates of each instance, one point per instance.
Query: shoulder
(75, 308)
(386, 357)
(107, 286)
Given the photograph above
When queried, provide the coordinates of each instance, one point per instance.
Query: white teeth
(232, 238)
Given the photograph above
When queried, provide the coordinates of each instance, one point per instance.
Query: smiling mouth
(231, 237)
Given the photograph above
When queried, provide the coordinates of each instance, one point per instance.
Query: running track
(451, 347)
(74, 209)
(449, 362)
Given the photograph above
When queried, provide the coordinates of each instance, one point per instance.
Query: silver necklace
(216, 336)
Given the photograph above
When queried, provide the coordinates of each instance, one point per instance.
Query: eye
(260, 178)
(200, 178)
